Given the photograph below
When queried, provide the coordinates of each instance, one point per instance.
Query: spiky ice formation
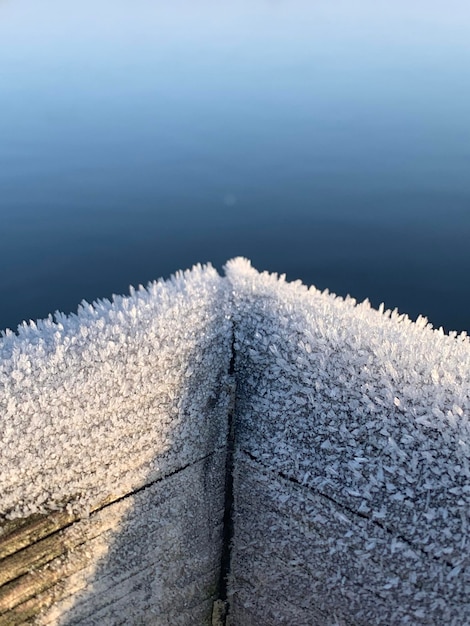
(114, 397)
(352, 462)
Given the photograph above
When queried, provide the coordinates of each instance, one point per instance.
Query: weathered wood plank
(19, 533)
(25, 613)
(134, 550)
(25, 574)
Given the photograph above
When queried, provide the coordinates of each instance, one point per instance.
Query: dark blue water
(326, 140)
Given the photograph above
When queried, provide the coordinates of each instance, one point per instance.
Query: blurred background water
(328, 140)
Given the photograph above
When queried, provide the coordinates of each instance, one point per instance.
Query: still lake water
(328, 140)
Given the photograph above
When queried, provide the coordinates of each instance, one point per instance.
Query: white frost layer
(112, 398)
(356, 423)
(352, 467)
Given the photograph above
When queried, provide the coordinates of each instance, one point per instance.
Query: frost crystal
(361, 416)
(114, 397)
(352, 451)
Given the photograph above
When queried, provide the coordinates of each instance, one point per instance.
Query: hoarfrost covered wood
(114, 396)
(352, 490)
(351, 464)
(116, 418)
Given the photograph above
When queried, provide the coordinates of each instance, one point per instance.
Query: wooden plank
(18, 534)
(56, 564)
(25, 574)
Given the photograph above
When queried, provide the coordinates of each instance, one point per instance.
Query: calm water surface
(328, 140)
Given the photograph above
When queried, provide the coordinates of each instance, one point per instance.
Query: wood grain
(135, 551)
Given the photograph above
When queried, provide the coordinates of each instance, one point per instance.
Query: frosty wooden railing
(349, 461)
